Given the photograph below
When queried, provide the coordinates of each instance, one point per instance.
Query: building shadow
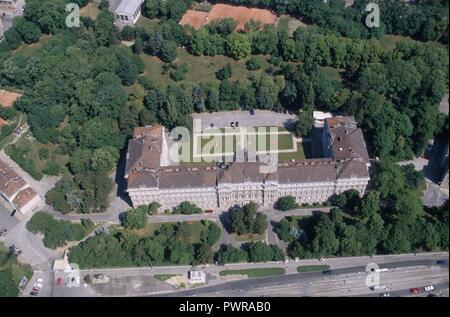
(224, 218)
(120, 178)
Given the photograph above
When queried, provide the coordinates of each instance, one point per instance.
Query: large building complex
(344, 166)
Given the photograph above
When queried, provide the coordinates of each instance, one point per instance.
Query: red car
(415, 290)
(59, 281)
(209, 211)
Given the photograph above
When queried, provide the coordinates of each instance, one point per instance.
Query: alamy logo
(373, 18)
(73, 18)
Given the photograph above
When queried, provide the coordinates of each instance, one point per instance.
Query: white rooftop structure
(128, 11)
(197, 277)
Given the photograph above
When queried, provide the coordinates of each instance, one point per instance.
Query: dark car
(442, 262)
(13, 212)
(327, 271)
(252, 112)
(33, 293)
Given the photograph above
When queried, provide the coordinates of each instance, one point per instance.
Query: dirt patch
(241, 15)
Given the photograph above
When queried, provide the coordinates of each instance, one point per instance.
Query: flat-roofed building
(128, 12)
(344, 166)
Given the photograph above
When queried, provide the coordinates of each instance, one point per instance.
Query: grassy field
(332, 73)
(29, 142)
(29, 50)
(163, 277)
(90, 10)
(9, 263)
(312, 268)
(388, 42)
(146, 23)
(289, 24)
(252, 273)
(192, 229)
(201, 69)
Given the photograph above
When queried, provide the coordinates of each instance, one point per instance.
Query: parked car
(442, 262)
(415, 290)
(428, 288)
(209, 211)
(59, 281)
(33, 293)
(385, 295)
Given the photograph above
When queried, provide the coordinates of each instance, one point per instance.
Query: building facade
(344, 166)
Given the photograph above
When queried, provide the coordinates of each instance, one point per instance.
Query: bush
(43, 154)
(187, 208)
(286, 203)
(57, 232)
(246, 219)
(6, 130)
(135, 218)
(179, 73)
(224, 73)
(253, 64)
(52, 168)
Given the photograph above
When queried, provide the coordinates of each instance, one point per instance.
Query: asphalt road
(340, 282)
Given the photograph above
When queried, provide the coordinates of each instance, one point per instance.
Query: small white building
(128, 12)
(197, 277)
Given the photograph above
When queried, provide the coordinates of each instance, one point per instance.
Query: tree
(238, 46)
(211, 235)
(246, 219)
(29, 31)
(203, 254)
(168, 51)
(127, 69)
(286, 203)
(187, 208)
(135, 219)
(304, 124)
(225, 72)
(230, 254)
(325, 241)
(106, 32)
(261, 252)
(13, 38)
(253, 64)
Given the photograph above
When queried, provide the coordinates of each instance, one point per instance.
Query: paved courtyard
(261, 118)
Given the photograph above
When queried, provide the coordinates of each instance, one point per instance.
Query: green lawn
(301, 154)
(163, 277)
(147, 24)
(332, 73)
(34, 146)
(201, 69)
(91, 10)
(251, 273)
(312, 268)
(388, 42)
(289, 24)
(29, 50)
(192, 229)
